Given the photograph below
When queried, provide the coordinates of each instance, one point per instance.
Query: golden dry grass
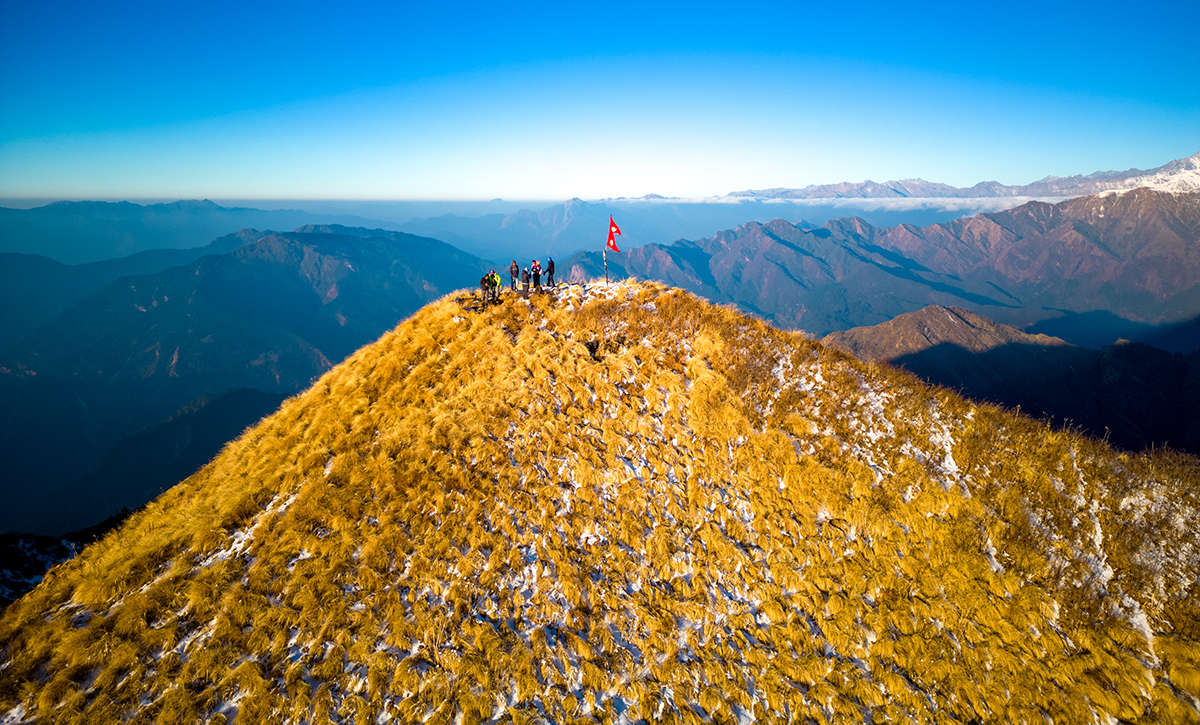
(641, 507)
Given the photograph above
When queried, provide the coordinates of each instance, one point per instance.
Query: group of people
(489, 284)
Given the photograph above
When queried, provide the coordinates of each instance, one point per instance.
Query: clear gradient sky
(429, 100)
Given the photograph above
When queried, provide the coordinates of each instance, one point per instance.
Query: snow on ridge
(1180, 177)
(870, 417)
(241, 539)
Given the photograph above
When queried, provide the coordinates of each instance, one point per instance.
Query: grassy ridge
(636, 506)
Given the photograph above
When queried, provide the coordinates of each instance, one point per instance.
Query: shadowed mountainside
(135, 469)
(634, 507)
(131, 472)
(270, 316)
(1131, 394)
(1098, 329)
(33, 289)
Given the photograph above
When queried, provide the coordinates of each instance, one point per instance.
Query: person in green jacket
(494, 279)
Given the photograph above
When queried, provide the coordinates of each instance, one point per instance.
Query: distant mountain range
(1134, 255)
(1133, 395)
(272, 315)
(562, 229)
(1179, 175)
(76, 232)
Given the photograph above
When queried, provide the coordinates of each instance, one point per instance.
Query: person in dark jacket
(483, 290)
(525, 283)
(514, 271)
(536, 268)
(550, 271)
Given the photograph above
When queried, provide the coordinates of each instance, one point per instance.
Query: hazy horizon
(264, 202)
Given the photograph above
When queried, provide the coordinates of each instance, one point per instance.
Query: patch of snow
(15, 715)
(1137, 618)
(238, 543)
(304, 554)
(229, 707)
(989, 550)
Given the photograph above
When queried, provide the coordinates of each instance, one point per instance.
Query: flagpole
(605, 253)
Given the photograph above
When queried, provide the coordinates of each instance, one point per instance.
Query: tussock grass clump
(622, 503)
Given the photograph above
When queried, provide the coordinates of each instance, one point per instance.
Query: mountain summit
(622, 504)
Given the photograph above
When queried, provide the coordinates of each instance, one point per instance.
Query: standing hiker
(495, 285)
(483, 291)
(550, 271)
(537, 275)
(514, 271)
(525, 283)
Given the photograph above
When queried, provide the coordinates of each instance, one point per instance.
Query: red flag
(613, 229)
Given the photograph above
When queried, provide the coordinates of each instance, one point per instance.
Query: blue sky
(463, 101)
